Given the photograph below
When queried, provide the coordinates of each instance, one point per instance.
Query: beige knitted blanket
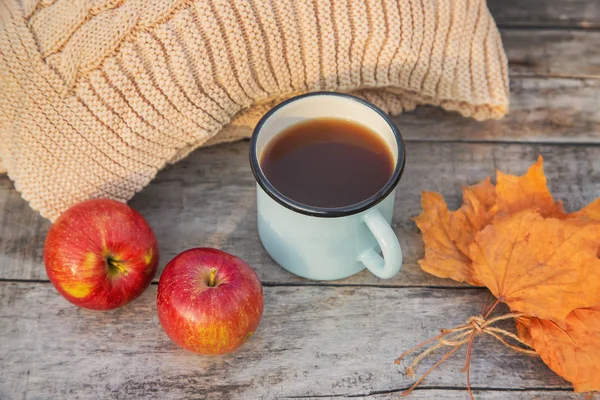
(96, 96)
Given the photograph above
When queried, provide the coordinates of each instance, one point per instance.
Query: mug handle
(387, 266)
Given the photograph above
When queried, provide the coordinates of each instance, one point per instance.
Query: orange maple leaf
(543, 263)
(589, 212)
(570, 349)
(518, 193)
(447, 235)
(543, 267)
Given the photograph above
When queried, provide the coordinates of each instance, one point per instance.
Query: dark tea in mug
(327, 162)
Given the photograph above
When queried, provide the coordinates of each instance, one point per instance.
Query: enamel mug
(328, 243)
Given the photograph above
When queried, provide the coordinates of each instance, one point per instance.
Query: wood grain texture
(22, 235)
(541, 110)
(208, 199)
(312, 341)
(49, 349)
(568, 53)
(428, 394)
(546, 13)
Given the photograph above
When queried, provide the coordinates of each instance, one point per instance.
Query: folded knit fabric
(97, 96)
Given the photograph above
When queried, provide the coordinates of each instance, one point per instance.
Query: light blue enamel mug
(328, 243)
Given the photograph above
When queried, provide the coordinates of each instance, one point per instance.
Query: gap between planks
(424, 389)
(299, 284)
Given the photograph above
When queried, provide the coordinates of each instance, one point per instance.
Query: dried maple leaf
(543, 267)
(447, 235)
(570, 350)
(518, 193)
(479, 201)
(530, 191)
(544, 263)
(589, 212)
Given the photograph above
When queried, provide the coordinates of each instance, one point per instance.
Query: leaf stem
(487, 314)
(485, 305)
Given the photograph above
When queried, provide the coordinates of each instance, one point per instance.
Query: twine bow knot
(458, 336)
(478, 323)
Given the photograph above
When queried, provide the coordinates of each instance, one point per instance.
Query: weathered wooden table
(320, 340)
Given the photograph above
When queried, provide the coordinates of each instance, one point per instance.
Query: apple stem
(116, 264)
(213, 275)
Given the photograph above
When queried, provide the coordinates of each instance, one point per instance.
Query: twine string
(458, 336)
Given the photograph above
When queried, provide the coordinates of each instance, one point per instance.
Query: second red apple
(208, 301)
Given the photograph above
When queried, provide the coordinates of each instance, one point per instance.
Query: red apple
(208, 301)
(100, 254)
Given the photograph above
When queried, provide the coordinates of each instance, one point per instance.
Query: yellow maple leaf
(518, 193)
(543, 263)
(570, 349)
(590, 212)
(448, 234)
(543, 267)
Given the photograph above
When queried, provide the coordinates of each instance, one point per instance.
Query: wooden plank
(546, 13)
(22, 235)
(313, 341)
(208, 199)
(570, 53)
(541, 110)
(428, 394)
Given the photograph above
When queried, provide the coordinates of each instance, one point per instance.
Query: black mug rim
(322, 211)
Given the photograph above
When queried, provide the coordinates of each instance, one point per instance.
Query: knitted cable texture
(96, 96)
